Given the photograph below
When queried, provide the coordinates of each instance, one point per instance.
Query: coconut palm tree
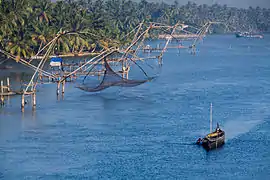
(43, 10)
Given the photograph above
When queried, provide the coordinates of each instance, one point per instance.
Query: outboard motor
(199, 141)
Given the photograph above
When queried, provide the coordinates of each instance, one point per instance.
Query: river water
(148, 131)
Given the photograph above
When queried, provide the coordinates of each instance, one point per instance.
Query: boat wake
(243, 124)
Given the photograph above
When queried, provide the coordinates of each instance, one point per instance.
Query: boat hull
(239, 35)
(213, 144)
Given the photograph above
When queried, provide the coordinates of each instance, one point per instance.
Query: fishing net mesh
(110, 78)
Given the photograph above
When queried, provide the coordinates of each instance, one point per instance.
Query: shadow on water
(116, 96)
(216, 150)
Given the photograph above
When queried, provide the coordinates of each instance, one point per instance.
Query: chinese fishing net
(140, 62)
(108, 73)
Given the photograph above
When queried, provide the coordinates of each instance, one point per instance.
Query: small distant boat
(248, 35)
(214, 139)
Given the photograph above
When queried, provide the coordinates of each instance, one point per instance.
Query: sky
(231, 3)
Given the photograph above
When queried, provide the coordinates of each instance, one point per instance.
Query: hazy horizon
(229, 3)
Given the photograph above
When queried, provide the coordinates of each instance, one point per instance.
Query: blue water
(148, 132)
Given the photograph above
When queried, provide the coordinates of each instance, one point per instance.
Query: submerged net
(111, 78)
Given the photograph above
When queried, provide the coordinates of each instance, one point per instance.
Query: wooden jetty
(179, 36)
(148, 49)
(81, 54)
(5, 91)
(33, 97)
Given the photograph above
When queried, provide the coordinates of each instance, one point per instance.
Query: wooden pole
(23, 102)
(58, 88)
(34, 99)
(211, 118)
(8, 84)
(2, 93)
(98, 75)
(63, 86)
(40, 77)
(127, 71)
(127, 74)
(8, 99)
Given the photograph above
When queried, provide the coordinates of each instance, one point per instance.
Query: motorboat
(214, 139)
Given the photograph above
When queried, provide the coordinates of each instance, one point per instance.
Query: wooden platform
(68, 55)
(8, 94)
(26, 93)
(179, 36)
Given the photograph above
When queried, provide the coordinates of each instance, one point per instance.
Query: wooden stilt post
(8, 99)
(63, 86)
(98, 75)
(58, 88)
(34, 99)
(8, 84)
(127, 73)
(123, 71)
(2, 93)
(23, 102)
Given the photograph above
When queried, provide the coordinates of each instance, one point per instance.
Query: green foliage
(26, 25)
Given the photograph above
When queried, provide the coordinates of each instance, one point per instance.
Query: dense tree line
(26, 25)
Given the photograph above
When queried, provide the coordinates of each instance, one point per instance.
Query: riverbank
(68, 55)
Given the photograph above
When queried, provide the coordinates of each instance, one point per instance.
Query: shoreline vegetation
(27, 25)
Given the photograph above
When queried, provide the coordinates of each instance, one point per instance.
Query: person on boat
(218, 129)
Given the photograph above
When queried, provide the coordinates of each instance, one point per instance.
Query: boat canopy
(56, 61)
(212, 134)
